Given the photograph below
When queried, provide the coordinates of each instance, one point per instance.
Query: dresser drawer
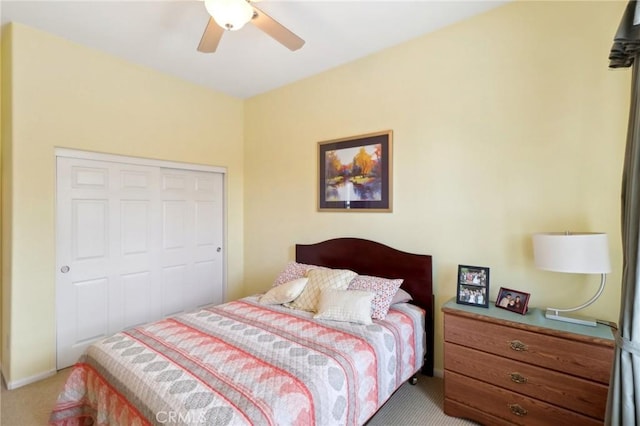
(455, 409)
(589, 361)
(508, 406)
(582, 396)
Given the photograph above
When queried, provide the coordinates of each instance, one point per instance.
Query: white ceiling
(163, 35)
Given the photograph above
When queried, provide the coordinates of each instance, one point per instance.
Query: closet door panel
(209, 255)
(105, 244)
(137, 302)
(91, 310)
(193, 235)
(83, 276)
(134, 243)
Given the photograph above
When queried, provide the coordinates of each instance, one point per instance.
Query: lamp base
(554, 315)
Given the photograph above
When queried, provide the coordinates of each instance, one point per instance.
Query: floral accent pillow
(292, 271)
(384, 290)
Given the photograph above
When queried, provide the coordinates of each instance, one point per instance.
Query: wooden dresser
(503, 368)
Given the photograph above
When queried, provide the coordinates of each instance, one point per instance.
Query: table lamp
(579, 253)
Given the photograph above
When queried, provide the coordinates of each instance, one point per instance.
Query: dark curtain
(623, 403)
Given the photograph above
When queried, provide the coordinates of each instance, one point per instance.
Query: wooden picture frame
(513, 300)
(473, 286)
(354, 174)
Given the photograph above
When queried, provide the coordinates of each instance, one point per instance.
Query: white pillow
(401, 297)
(320, 279)
(284, 292)
(345, 305)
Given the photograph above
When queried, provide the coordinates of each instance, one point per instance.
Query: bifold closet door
(192, 235)
(135, 243)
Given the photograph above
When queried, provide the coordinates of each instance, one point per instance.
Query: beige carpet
(411, 405)
(31, 405)
(417, 405)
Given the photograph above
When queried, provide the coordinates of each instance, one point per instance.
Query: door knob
(64, 269)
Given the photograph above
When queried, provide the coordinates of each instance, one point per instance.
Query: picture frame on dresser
(513, 300)
(473, 286)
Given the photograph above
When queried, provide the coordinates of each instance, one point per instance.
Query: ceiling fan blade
(276, 30)
(211, 37)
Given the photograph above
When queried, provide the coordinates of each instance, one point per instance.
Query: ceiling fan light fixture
(229, 14)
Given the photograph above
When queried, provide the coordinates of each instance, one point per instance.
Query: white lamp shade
(229, 14)
(583, 253)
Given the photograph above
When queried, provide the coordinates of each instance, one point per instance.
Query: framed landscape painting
(355, 173)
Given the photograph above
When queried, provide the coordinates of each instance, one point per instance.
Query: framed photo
(513, 300)
(473, 286)
(355, 173)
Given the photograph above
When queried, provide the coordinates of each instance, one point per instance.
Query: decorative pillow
(292, 271)
(321, 279)
(401, 297)
(345, 305)
(384, 290)
(285, 292)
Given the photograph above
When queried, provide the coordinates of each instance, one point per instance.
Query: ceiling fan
(231, 15)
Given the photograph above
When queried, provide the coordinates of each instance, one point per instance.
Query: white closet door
(208, 284)
(107, 266)
(135, 247)
(135, 243)
(192, 260)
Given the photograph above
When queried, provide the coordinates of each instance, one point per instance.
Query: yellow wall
(504, 125)
(5, 147)
(65, 95)
(2, 127)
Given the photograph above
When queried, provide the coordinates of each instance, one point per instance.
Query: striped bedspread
(243, 363)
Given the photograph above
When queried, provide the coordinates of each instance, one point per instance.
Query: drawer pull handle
(518, 378)
(517, 345)
(517, 410)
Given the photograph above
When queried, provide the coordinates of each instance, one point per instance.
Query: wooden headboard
(371, 258)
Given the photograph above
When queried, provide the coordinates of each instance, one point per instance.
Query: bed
(246, 362)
